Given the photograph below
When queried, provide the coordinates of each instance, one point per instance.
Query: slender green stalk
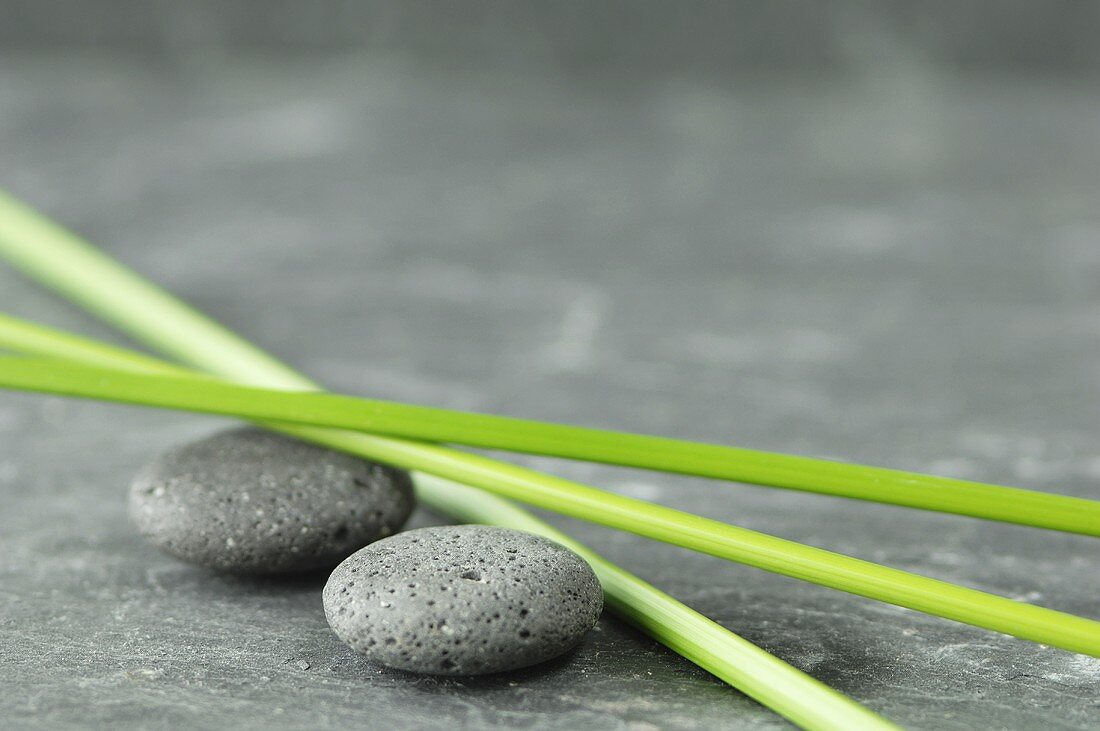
(22, 336)
(709, 645)
(61, 260)
(579, 501)
(760, 675)
(1058, 512)
(118, 288)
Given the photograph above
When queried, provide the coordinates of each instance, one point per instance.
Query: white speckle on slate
(640, 490)
(573, 348)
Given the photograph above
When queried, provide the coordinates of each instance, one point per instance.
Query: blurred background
(866, 231)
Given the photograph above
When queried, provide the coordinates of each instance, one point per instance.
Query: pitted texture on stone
(462, 600)
(251, 501)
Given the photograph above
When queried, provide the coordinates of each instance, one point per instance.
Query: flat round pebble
(252, 501)
(462, 600)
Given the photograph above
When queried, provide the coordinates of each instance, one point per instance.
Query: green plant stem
(37, 246)
(692, 635)
(117, 288)
(62, 261)
(755, 672)
(1058, 512)
(581, 501)
(23, 336)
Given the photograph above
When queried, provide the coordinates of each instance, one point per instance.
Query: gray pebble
(462, 600)
(252, 501)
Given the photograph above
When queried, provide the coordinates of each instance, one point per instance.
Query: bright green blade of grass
(61, 260)
(760, 675)
(757, 673)
(1058, 512)
(22, 336)
(56, 257)
(576, 500)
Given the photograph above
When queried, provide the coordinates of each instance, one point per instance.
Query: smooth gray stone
(252, 501)
(462, 600)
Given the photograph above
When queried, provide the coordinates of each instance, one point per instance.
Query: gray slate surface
(898, 268)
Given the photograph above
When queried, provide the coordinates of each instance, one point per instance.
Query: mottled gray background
(862, 230)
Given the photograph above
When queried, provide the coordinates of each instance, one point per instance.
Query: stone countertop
(900, 269)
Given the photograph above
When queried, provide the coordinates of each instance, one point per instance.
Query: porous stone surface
(252, 501)
(462, 600)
